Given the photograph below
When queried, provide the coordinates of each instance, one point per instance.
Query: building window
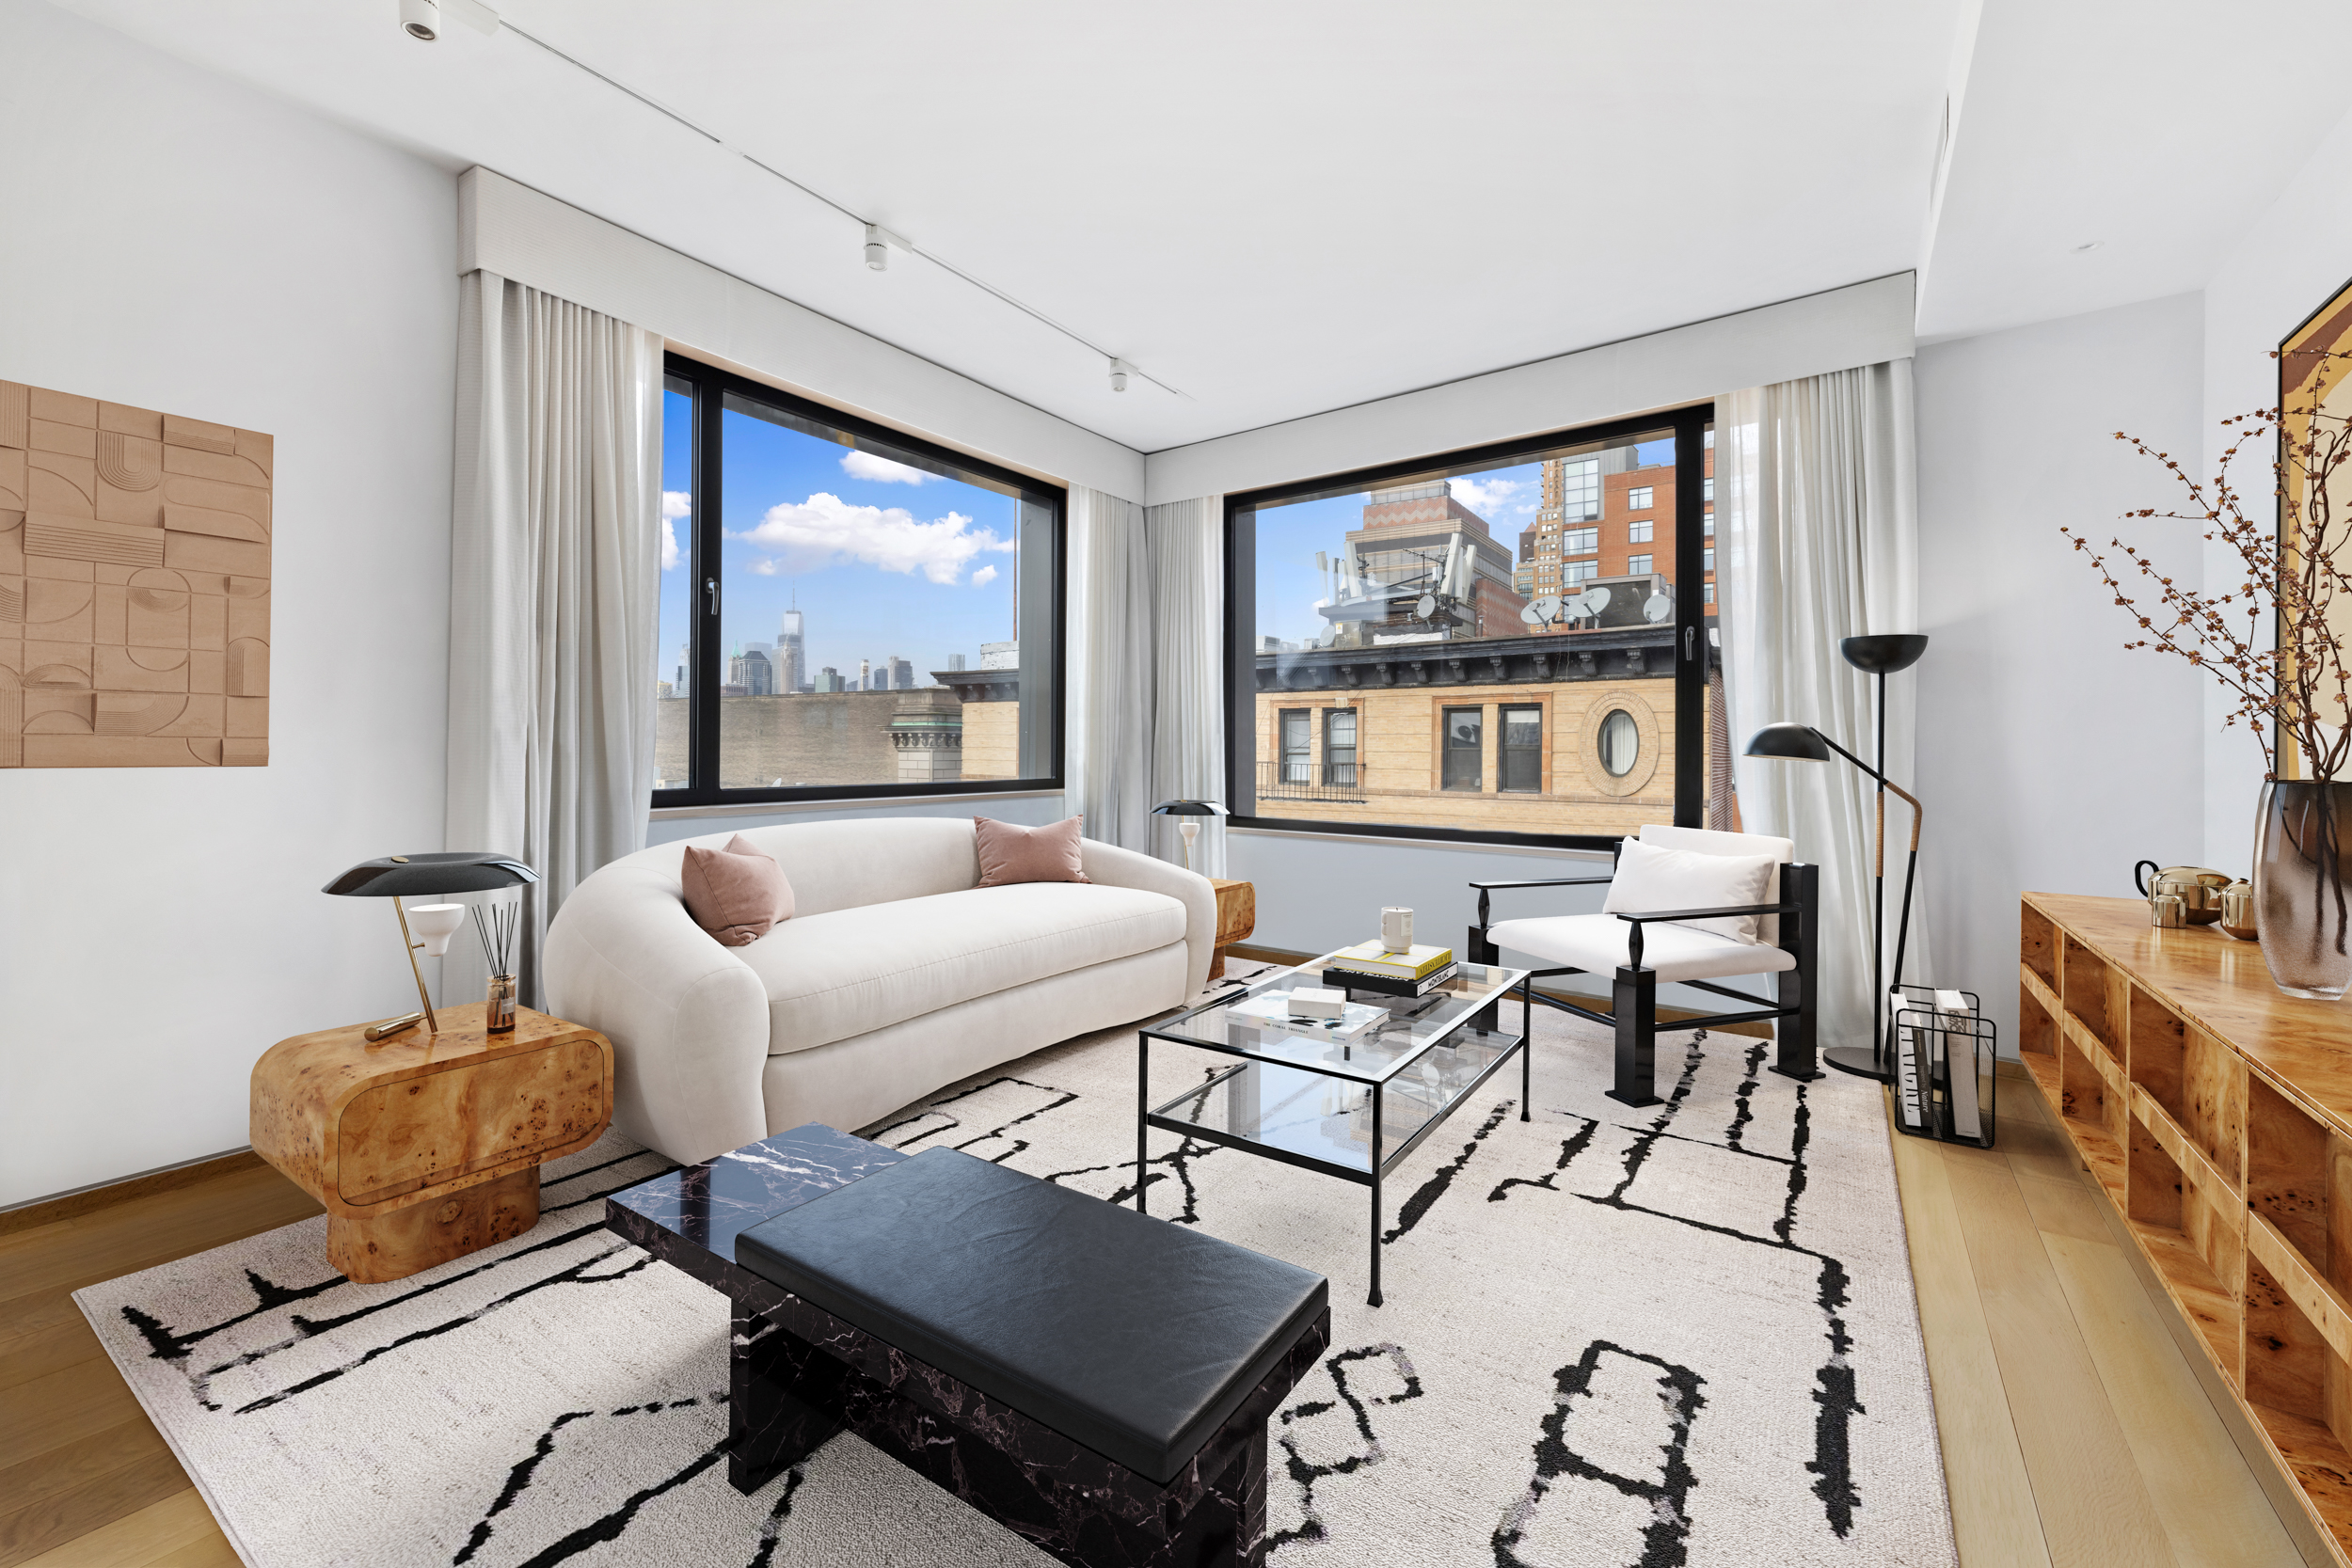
(1579, 488)
(925, 660)
(1637, 498)
(1339, 746)
(1708, 527)
(1707, 558)
(1297, 736)
(1707, 593)
(1620, 743)
(1522, 762)
(1464, 730)
(1638, 530)
(1402, 630)
(1707, 489)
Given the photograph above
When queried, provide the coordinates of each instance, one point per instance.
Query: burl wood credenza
(2217, 1114)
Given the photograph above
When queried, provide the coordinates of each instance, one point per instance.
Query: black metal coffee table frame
(1466, 1013)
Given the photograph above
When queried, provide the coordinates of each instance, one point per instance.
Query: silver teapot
(2198, 888)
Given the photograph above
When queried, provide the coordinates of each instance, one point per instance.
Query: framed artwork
(134, 556)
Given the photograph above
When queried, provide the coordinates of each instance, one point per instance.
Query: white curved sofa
(897, 975)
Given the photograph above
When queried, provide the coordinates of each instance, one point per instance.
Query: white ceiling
(2159, 130)
(1285, 209)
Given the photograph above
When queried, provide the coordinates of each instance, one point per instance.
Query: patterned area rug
(1683, 1334)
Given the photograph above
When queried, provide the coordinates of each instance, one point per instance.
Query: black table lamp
(395, 876)
(1189, 810)
(1803, 742)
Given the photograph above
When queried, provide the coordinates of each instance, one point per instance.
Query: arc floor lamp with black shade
(394, 877)
(1880, 655)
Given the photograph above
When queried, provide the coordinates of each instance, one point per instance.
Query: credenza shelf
(2216, 1113)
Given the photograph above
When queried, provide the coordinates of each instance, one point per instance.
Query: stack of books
(1369, 966)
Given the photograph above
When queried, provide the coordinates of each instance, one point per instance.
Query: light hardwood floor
(2075, 1432)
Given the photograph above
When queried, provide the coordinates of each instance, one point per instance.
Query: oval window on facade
(1620, 743)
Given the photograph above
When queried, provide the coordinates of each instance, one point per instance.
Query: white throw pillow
(1649, 879)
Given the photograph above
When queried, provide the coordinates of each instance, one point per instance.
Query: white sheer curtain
(553, 569)
(1816, 540)
(1187, 546)
(1108, 747)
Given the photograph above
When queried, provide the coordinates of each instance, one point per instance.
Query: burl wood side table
(423, 1147)
(1236, 918)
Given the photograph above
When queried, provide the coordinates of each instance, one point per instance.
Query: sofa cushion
(830, 976)
(1011, 853)
(737, 894)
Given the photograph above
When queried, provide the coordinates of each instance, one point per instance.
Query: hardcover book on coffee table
(1369, 957)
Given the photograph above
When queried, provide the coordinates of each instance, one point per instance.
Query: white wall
(2287, 264)
(178, 243)
(1859, 324)
(2049, 757)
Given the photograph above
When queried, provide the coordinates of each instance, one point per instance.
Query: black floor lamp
(1881, 657)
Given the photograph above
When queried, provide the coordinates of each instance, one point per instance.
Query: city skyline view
(882, 560)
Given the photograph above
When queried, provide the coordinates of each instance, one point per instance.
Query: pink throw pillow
(1011, 853)
(737, 894)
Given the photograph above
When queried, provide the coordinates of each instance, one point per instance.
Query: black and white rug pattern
(1684, 1334)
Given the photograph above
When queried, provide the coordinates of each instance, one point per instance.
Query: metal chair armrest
(1709, 914)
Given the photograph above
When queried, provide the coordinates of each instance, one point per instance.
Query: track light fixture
(878, 243)
(422, 19)
(1119, 374)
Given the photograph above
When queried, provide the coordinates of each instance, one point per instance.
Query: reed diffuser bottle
(497, 930)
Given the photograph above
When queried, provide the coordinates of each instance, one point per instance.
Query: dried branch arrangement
(2300, 682)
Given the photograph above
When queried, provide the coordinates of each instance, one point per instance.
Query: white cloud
(674, 504)
(882, 470)
(1485, 495)
(985, 575)
(809, 534)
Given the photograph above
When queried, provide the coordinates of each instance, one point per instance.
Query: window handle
(711, 595)
(1690, 642)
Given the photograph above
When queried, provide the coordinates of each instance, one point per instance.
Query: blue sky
(886, 560)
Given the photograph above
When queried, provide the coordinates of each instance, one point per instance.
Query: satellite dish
(1658, 608)
(1427, 607)
(1595, 600)
(1548, 608)
(1330, 635)
(1533, 614)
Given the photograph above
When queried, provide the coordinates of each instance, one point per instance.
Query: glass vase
(498, 1014)
(2300, 895)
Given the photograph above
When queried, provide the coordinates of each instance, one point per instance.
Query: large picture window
(1517, 637)
(846, 610)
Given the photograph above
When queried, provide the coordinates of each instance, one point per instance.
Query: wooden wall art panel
(133, 586)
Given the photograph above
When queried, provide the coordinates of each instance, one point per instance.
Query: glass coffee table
(1347, 1105)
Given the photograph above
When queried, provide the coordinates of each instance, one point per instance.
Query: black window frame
(710, 388)
(1448, 751)
(1331, 716)
(1690, 425)
(1305, 761)
(1503, 749)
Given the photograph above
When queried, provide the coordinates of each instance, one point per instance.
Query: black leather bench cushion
(1134, 1337)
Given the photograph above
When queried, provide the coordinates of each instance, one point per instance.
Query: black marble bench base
(800, 1375)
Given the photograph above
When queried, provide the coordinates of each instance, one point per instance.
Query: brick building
(1607, 517)
(1417, 541)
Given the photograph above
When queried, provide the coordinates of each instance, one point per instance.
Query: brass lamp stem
(431, 1024)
